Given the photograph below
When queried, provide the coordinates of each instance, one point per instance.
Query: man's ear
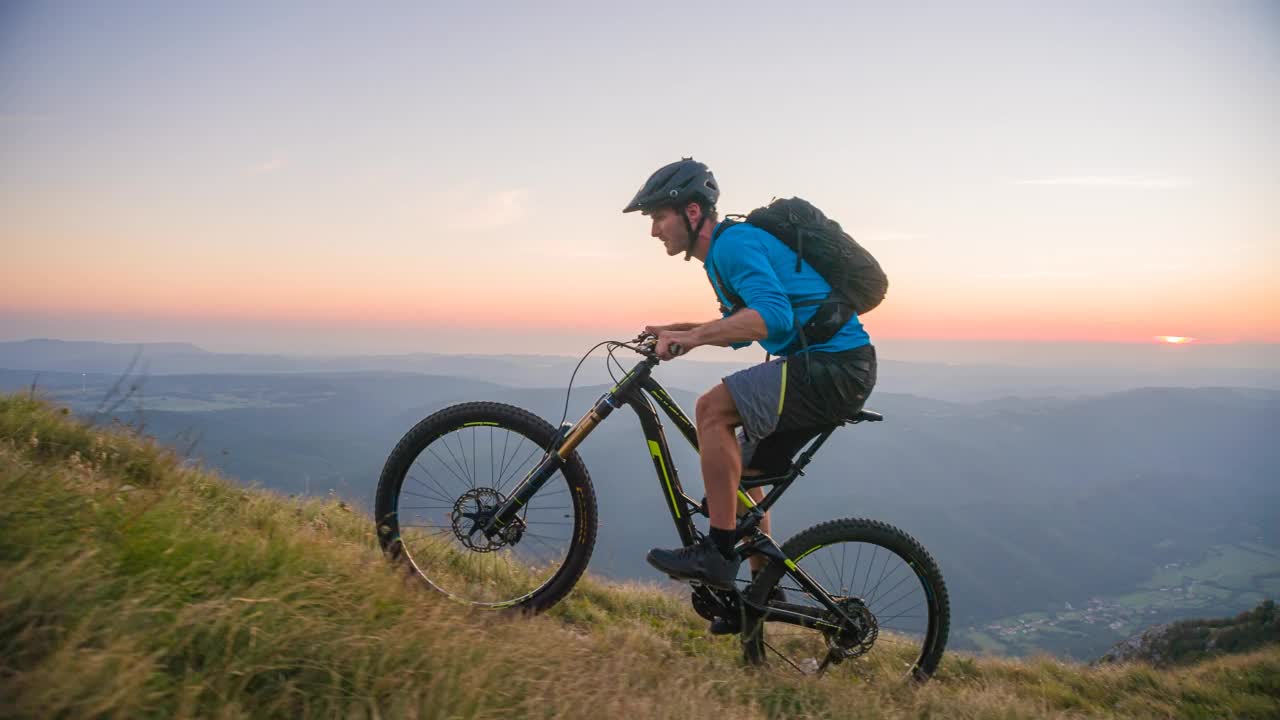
(693, 211)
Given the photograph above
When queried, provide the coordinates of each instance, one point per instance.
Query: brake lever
(650, 344)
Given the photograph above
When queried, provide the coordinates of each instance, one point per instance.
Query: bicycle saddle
(866, 416)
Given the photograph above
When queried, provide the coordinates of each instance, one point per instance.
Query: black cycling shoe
(700, 563)
(733, 625)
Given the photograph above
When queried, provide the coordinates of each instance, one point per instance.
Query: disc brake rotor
(473, 511)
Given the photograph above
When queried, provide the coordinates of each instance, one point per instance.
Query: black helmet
(683, 181)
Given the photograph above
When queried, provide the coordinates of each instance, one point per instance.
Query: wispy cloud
(1037, 275)
(888, 237)
(1168, 267)
(489, 211)
(1124, 181)
(579, 254)
(275, 163)
(1083, 274)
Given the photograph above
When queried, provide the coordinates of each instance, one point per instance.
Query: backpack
(857, 282)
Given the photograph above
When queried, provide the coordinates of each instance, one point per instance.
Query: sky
(449, 176)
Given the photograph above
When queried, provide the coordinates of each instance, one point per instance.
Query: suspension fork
(551, 462)
(564, 446)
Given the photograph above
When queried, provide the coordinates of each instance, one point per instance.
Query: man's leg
(713, 561)
(721, 457)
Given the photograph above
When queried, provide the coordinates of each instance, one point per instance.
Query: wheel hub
(855, 637)
(473, 511)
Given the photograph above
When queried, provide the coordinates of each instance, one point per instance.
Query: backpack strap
(728, 222)
(735, 301)
(834, 306)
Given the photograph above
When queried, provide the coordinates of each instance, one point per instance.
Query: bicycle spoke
(424, 497)
(843, 548)
(512, 469)
(462, 464)
(826, 575)
(553, 494)
(430, 477)
(902, 597)
(462, 453)
(502, 470)
(446, 465)
(438, 528)
(516, 468)
(874, 551)
(857, 561)
(875, 591)
(539, 539)
(903, 613)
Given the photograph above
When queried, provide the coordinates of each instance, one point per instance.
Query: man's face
(670, 229)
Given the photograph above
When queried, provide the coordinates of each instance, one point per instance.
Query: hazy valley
(1063, 523)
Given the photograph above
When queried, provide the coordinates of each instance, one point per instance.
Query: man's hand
(684, 338)
(745, 325)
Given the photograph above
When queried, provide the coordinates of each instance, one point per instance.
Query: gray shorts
(797, 397)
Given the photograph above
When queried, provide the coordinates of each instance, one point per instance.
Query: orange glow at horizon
(589, 299)
(421, 308)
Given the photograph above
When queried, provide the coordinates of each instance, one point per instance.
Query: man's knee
(715, 408)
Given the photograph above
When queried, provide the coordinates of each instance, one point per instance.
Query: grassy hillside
(132, 586)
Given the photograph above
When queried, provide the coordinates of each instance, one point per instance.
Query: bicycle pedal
(725, 626)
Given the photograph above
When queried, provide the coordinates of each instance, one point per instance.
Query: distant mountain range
(950, 380)
(1027, 503)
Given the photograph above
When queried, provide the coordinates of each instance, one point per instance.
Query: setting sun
(1174, 339)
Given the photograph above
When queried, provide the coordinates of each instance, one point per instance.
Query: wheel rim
(446, 491)
(891, 606)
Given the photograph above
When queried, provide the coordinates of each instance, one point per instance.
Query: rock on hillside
(1189, 641)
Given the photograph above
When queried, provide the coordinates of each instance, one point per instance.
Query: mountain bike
(492, 506)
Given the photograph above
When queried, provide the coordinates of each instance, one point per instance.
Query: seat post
(807, 455)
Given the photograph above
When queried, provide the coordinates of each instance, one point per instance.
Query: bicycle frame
(632, 390)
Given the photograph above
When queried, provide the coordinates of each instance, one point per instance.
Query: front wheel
(449, 473)
(895, 610)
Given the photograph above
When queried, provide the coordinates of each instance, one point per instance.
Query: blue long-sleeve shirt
(761, 270)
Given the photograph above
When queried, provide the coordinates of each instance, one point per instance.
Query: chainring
(709, 605)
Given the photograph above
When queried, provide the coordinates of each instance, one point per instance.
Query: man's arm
(746, 325)
(655, 329)
(742, 257)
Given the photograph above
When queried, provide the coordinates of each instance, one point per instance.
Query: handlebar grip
(676, 349)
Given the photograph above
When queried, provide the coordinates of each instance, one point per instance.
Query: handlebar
(649, 343)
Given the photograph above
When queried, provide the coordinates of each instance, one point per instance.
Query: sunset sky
(449, 176)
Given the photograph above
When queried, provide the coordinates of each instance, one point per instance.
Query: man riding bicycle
(759, 417)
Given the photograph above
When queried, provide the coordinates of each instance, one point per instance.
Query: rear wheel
(895, 612)
(463, 462)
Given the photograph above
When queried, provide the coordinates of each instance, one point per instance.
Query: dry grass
(131, 586)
